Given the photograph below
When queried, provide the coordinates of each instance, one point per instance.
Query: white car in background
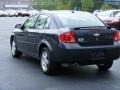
(12, 13)
(111, 18)
(109, 14)
(32, 12)
(117, 15)
(96, 12)
(3, 13)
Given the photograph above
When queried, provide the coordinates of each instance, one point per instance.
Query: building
(113, 2)
(4, 3)
(1, 4)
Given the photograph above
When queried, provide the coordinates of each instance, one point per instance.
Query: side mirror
(18, 26)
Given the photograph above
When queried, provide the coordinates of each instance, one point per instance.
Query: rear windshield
(80, 20)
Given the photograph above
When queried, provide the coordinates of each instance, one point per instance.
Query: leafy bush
(64, 6)
(44, 4)
(106, 6)
(87, 5)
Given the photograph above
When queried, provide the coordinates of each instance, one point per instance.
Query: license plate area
(98, 54)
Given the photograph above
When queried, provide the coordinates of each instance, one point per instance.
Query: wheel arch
(44, 44)
(11, 38)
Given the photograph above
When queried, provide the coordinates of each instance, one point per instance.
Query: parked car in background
(23, 13)
(116, 21)
(97, 11)
(109, 17)
(59, 37)
(12, 13)
(32, 12)
(117, 15)
(3, 13)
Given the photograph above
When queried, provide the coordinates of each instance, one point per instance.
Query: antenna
(74, 9)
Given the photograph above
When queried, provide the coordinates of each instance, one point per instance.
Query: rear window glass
(80, 20)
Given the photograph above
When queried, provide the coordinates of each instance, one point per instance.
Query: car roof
(64, 12)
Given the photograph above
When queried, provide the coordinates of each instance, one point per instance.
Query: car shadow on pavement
(84, 72)
(73, 71)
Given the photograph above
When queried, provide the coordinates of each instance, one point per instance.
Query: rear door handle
(21, 34)
(31, 35)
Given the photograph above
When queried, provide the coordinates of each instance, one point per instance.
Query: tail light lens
(116, 20)
(68, 37)
(116, 36)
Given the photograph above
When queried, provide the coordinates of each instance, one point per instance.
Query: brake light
(68, 37)
(116, 20)
(116, 36)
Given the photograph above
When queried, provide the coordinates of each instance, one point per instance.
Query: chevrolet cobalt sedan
(66, 37)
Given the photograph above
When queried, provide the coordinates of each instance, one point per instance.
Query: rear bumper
(87, 55)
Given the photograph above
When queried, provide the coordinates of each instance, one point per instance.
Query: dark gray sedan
(60, 37)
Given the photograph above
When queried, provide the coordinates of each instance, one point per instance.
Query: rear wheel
(14, 51)
(105, 66)
(47, 64)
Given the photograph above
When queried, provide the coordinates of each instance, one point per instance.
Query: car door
(20, 37)
(21, 34)
(35, 35)
(28, 25)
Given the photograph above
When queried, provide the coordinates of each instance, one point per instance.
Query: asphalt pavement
(25, 73)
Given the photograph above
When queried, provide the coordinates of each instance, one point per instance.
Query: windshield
(80, 20)
(117, 15)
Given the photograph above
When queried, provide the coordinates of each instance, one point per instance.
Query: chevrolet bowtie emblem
(96, 34)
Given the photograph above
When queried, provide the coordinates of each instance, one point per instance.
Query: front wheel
(105, 66)
(47, 64)
(14, 51)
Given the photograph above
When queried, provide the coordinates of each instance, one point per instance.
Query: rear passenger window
(30, 22)
(43, 22)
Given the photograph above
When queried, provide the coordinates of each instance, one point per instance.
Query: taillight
(116, 36)
(116, 20)
(68, 37)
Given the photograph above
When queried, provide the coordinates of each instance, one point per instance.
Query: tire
(105, 66)
(14, 51)
(46, 62)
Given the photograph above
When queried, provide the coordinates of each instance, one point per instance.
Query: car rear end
(83, 47)
(88, 40)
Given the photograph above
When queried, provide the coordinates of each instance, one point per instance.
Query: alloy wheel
(44, 61)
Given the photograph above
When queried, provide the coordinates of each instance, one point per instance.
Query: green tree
(87, 5)
(44, 4)
(98, 4)
(106, 6)
(62, 5)
(77, 4)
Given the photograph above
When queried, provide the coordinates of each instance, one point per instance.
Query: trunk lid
(94, 37)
